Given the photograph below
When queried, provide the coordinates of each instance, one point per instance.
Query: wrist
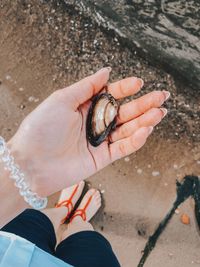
(11, 201)
(14, 162)
(21, 159)
(27, 164)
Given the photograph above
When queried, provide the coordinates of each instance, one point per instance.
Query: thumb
(86, 88)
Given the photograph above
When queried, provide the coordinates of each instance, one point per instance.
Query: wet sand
(43, 47)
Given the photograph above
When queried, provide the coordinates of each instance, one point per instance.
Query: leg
(34, 226)
(81, 246)
(55, 215)
(40, 227)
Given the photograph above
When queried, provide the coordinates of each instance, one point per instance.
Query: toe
(81, 184)
(98, 204)
(97, 194)
(89, 193)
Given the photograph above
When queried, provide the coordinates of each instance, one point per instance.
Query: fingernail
(167, 94)
(150, 129)
(164, 111)
(106, 68)
(141, 82)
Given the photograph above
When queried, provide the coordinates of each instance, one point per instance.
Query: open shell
(101, 118)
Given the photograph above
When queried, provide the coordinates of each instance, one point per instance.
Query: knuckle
(122, 149)
(138, 122)
(122, 114)
(135, 145)
(123, 131)
(122, 88)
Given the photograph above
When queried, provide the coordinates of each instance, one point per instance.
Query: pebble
(139, 171)
(33, 99)
(155, 173)
(171, 254)
(177, 211)
(158, 85)
(22, 106)
(8, 77)
(21, 89)
(149, 166)
(185, 219)
(175, 166)
(165, 184)
(126, 159)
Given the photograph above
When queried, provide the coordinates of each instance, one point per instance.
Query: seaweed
(188, 187)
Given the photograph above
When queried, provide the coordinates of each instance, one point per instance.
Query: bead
(14, 170)
(5, 157)
(2, 145)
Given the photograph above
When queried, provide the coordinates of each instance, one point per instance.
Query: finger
(129, 144)
(83, 90)
(151, 118)
(125, 87)
(139, 106)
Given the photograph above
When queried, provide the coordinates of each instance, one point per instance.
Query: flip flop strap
(68, 202)
(79, 212)
(82, 212)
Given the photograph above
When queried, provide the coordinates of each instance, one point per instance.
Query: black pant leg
(34, 226)
(87, 249)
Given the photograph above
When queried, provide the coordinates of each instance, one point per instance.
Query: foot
(88, 206)
(72, 195)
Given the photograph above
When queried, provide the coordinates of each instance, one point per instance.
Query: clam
(101, 118)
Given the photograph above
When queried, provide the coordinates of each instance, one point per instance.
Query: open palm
(50, 144)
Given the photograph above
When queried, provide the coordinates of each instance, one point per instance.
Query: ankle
(76, 226)
(61, 213)
(77, 220)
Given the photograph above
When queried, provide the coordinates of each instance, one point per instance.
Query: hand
(51, 147)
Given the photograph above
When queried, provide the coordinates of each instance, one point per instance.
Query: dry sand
(43, 47)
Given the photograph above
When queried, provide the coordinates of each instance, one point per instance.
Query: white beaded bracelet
(30, 197)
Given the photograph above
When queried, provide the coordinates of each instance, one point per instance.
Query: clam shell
(101, 118)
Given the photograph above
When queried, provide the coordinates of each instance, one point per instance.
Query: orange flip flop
(81, 212)
(68, 204)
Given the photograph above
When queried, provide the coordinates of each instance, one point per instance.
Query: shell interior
(103, 114)
(101, 118)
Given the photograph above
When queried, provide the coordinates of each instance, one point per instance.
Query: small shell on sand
(155, 173)
(126, 159)
(185, 219)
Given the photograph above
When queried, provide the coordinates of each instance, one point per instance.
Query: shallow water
(166, 33)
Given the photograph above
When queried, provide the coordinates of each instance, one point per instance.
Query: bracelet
(30, 197)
